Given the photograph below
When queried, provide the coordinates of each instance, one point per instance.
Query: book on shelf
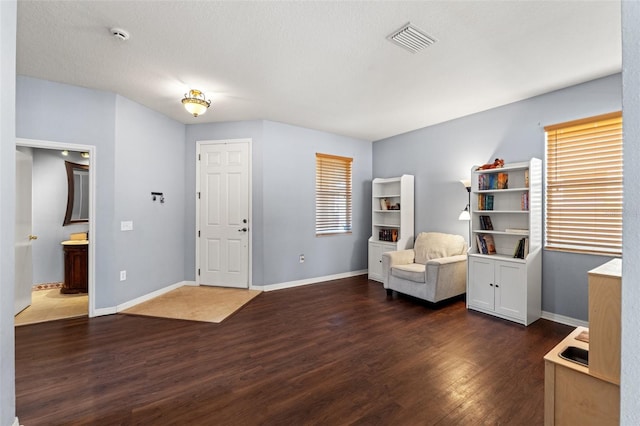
(490, 243)
(482, 246)
(489, 202)
(486, 244)
(485, 202)
(524, 201)
(526, 178)
(503, 180)
(485, 223)
(493, 181)
(482, 182)
(522, 248)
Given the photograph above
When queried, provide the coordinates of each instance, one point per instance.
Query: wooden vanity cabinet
(76, 270)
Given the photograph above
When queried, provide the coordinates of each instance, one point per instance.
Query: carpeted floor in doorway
(203, 303)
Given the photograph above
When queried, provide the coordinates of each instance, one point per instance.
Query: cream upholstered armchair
(434, 270)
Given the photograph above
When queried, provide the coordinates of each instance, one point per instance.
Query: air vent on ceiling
(411, 38)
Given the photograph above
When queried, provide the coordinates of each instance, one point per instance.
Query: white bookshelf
(501, 284)
(396, 194)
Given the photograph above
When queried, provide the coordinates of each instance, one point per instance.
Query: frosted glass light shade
(195, 102)
(464, 214)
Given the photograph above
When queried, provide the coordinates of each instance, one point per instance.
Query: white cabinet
(391, 219)
(502, 280)
(375, 259)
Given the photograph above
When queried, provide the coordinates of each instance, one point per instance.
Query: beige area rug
(50, 305)
(209, 304)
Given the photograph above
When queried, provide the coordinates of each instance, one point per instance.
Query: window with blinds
(584, 185)
(333, 194)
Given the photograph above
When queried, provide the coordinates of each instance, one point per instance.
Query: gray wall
(49, 194)
(439, 156)
(49, 111)
(149, 157)
(630, 368)
(289, 205)
(8, 13)
(283, 190)
(124, 134)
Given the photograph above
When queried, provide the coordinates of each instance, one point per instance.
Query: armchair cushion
(435, 245)
(412, 272)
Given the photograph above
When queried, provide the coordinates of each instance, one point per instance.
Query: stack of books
(522, 249)
(486, 244)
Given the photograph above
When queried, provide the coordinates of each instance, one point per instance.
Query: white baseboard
(126, 305)
(290, 284)
(564, 320)
(104, 311)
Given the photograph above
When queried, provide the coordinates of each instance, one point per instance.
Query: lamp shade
(195, 102)
(464, 214)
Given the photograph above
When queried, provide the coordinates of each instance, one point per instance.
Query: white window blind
(333, 194)
(584, 185)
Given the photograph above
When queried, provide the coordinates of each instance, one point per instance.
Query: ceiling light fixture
(84, 154)
(195, 102)
(65, 153)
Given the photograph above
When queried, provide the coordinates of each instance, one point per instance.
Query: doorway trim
(199, 144)
(91, 149)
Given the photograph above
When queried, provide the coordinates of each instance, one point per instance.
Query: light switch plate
(126, 225)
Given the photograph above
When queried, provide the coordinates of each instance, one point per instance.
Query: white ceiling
(322, 65)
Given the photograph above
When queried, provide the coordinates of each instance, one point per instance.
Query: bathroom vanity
(76, 270)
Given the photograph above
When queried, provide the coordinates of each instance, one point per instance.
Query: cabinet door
(510, 284)
(481, 281)
(375, 260)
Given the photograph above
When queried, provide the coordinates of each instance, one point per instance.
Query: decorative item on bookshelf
(497, 163)
(383, 204)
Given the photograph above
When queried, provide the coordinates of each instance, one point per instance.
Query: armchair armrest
(448, 275)
(447, 260)
(391, 258)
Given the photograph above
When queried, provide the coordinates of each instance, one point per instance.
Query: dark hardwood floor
(337, 353)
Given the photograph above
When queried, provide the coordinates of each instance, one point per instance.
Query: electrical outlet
(302, 258)
(123, 275)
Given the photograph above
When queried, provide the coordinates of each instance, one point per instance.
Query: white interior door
(224, 215)
(23, 236)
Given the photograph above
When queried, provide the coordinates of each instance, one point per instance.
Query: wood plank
(339, 352)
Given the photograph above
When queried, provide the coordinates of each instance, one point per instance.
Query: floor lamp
(466, 213)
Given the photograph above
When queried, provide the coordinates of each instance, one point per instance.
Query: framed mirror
(77, 193)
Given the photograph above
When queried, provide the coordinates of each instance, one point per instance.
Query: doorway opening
(50, 296)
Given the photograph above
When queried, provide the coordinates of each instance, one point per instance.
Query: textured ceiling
(321, 65)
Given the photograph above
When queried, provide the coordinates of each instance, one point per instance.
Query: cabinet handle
(491, 284)
(497, 286)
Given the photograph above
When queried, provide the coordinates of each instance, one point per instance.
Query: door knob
(243, 230)
(33, 237)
